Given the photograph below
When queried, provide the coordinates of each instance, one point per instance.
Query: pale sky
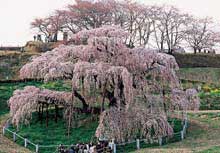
(16, 15)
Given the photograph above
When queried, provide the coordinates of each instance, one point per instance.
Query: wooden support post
(25, 143)
(56, 113)
(42, 113)
(14, 136)
(138, 144)
(37, 148)
(39, 112)
(47, 115)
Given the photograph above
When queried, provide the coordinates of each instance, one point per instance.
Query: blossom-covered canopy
(134, 82)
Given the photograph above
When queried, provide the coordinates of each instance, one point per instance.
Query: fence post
(113, 146)
(151, 141)
(25, 143)
(160, 141)
(14, 136)
(182, 135)
(138, 143)
(37, 148)
(114, 150)
(7, 124)
(3, 130)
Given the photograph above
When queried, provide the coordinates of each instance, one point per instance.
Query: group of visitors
(101, 147)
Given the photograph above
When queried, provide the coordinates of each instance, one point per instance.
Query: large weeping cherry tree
(132, 89)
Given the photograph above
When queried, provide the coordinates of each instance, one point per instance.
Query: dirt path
(6, 145)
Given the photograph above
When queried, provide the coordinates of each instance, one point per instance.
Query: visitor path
(6, 145)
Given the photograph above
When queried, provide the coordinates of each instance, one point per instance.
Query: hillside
(11, 62)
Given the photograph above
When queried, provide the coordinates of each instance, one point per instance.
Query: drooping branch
(104, 74)
(139, 84)
(24, 102)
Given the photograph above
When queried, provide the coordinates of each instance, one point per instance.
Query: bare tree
(170, 27)
(165, 27)
(136, 19)
(56, 21)
(201, 35)
(42, 25)
(49, 26)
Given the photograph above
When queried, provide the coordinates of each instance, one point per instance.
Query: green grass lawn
(215, 149)
(56, 133)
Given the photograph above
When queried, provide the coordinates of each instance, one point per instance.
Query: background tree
(163, 27)
(170, 28)
(201, 35)
(56, 24)
(42, 25)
